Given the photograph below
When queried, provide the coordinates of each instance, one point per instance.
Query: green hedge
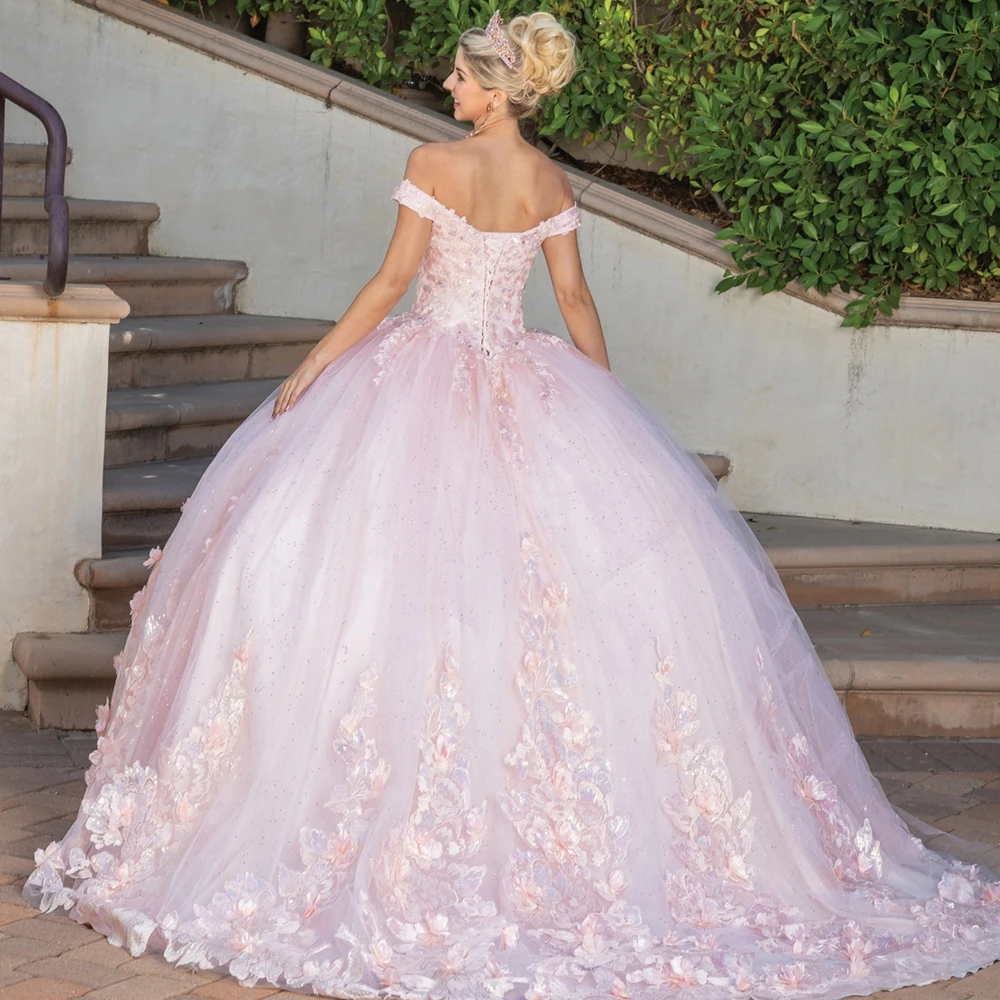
(852, 142)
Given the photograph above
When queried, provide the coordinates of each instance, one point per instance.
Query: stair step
(922, 671)
(112, 581)
(152, 286)
(117, 569)
(95, 227)
(178, 421)
(69, 675)
(24, 169)
(826, 562)
(163, 350)
(142, 501)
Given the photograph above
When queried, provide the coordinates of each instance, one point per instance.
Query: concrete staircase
(184, 370)
(907, 620)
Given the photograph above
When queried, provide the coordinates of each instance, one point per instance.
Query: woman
(459, 678)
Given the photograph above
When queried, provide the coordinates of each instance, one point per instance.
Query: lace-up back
(472, 280)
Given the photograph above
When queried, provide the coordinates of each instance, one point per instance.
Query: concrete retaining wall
(52, 400)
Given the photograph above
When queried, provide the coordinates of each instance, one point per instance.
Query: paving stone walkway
(954, 784)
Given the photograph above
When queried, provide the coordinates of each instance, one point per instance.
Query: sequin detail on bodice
(473, 281)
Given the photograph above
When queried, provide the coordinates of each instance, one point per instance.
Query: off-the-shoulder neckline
(489, 232)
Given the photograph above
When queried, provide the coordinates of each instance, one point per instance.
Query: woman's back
(471, 281)
(497, 186)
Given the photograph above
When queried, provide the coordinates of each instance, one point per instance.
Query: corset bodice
(472, 281)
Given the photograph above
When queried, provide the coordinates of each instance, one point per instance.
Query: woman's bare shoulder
(423, 158)
(434, 162)
(444, 163)
(559, 180)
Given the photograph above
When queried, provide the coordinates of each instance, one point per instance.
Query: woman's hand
(292, 388)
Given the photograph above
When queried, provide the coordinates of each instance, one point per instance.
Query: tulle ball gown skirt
(462, 679)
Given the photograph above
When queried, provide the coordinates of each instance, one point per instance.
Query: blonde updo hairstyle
(546, 54)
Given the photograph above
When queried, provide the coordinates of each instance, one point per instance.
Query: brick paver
(954, 784)
(42, 988)
(228, 989)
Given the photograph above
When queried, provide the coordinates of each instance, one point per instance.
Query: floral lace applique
(461, 380)
(131, 665)
(497, 372)
(263, 931)
(566, 883)
(503, 405)
(963, 902)
(715, 891)
(399, 331)
(132, 669)
(717, 826)
(142, 813)
(854, 852)
(425, 916)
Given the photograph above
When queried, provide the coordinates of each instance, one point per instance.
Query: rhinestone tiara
(497, 35)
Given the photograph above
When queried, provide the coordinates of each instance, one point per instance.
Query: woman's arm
(376, 299)
(562, 255)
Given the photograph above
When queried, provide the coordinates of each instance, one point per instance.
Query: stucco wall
(888, 424)
(52, 402)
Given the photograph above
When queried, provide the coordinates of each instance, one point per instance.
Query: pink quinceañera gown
(462, 679)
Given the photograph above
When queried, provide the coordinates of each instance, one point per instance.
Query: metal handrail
(55, 178)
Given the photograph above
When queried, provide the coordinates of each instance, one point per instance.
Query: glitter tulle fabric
(462, 679)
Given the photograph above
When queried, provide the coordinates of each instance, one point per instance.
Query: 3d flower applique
(133, 812)
(262, 928)
(103, 714)
(854, 852)
(566, 878)
(137, 602)
(717, 824)
(426, 911)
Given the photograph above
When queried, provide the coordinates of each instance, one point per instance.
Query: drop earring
(482, 124)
